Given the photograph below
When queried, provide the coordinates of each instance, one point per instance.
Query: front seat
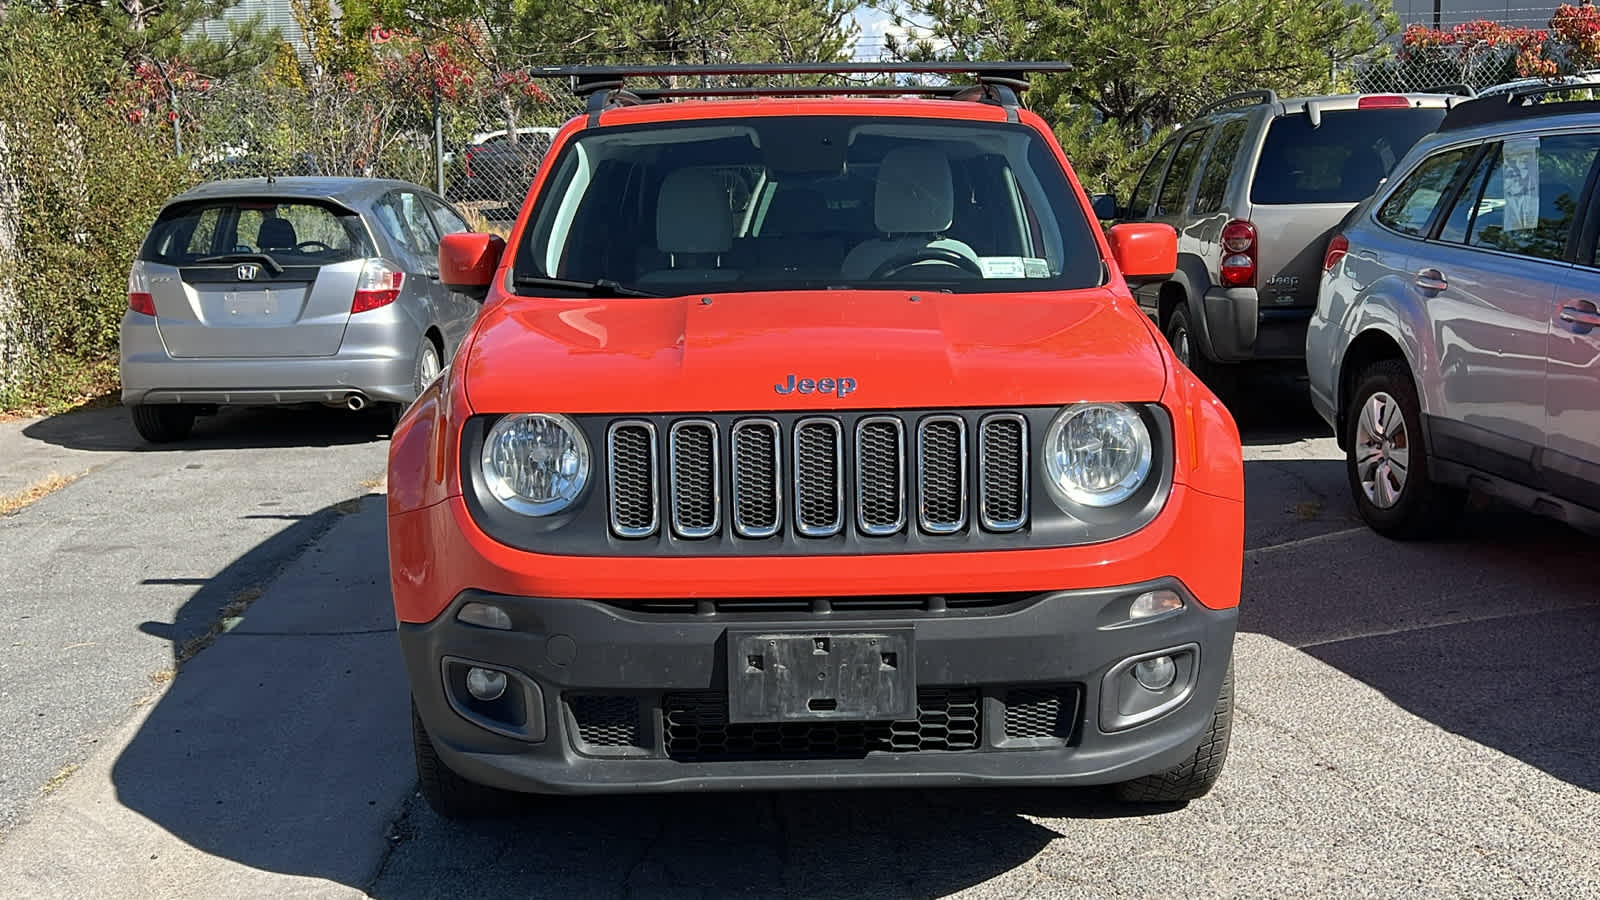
(914, 205)
(277, 234)
(694, 229)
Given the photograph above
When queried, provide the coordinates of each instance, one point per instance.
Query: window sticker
(1002, 266)
(1520, 177)
(1035, 267)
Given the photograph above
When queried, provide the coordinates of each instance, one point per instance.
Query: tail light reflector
(1337, 248)
(1239, 254)
(1383, 101)
(378, 287)
(140, 300)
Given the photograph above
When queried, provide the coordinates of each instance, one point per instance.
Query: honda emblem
(248, 273)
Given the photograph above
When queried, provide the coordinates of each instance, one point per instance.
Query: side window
(1219, 165)
(1178, 176)
(424, 238)
(1139, 203)
(448, 220)
(1410, 208)
(1530, 194)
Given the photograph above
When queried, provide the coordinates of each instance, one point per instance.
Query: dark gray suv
(1254, 188)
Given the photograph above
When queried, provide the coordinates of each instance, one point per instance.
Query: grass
(59, 778)
(11, 504)
(229, 616)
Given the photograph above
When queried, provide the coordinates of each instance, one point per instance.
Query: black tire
(1179, 332)
(1195, 777)
(1422, 508)
(163, 423)
(426, 350)
(447, 793)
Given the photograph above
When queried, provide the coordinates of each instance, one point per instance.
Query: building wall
(1526, 13)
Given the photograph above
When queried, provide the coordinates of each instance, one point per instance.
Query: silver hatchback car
(1456, 340)
(288, 291)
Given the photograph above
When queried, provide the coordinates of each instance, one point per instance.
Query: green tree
(1143, 66)
(164, 30)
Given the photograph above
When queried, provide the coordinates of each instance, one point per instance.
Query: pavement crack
(650, 845)
(397, 832)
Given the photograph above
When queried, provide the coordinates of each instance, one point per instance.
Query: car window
(424, 237)
(1339, 161)
(1529, 194)
(1219, 165)
(1179, 175)
(293, 232)
(812, 202)
(1145, 191)
(1410, 208)
(448, 220)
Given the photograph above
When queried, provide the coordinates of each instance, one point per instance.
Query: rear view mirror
(467, 261)
(1145, 253)
(1105, 206)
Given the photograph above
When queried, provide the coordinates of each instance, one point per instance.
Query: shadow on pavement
(285, 747)
(1489, 634)
(111, 429)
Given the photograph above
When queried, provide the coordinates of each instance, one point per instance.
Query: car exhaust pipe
(355, 402)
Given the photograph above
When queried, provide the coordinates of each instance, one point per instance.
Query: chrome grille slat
(757, 448)
(880, 475)
(818, 477)
(631, 467)
(942, 474)
(1003, 479)
(696, 477)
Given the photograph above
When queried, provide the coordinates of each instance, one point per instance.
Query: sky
(875, 25)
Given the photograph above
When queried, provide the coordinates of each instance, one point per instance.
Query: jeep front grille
(878, 475)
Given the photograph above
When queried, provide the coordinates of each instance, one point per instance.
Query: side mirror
(468, 260)
(1105, 206)
(1145, 253)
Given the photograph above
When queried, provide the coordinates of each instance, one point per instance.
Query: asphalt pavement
(1412, 718)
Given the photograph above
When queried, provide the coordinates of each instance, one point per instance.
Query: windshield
(291, 232)
(1342, 159)
(810, 203)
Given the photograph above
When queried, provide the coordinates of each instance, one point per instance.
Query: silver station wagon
(288, 291)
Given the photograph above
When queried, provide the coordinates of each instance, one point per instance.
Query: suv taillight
(1337, 248)
(140, 300)
(379, 286)
(1383, 101)
(1239, 254)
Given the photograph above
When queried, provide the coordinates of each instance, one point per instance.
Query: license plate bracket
(250, 304)
(813, 676)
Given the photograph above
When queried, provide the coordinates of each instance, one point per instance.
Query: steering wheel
(303, 245)
(945, 255)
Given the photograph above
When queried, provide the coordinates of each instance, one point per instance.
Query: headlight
(536, 464)
(1097, 454)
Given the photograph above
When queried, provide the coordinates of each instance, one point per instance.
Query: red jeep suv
(809, 436)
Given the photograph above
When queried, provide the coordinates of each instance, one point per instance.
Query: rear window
(1342, 160)
(293, 232)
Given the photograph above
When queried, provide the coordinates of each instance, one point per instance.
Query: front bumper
(623, 697)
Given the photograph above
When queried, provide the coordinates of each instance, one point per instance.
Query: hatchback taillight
(140, 300)
(1239, 254)
(378, 287)
(1337, 248)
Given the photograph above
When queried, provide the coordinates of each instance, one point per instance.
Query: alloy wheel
(1382, 451)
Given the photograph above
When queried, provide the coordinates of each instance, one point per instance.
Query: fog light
(1152, 674)
(1154, 603)
(487, 684)
(485, 615)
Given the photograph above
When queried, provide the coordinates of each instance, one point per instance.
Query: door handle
(1431, 280)
(1370, 255)
(1583, 314)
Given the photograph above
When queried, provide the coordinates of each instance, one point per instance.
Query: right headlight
(535, 464)
(1097, 454)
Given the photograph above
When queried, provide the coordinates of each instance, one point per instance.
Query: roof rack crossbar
(1460, 90)
(1255, 98)
(1570, 87)
(1509, 107)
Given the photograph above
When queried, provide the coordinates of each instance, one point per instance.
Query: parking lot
(1411, 718)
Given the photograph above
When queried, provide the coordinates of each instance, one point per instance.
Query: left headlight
(1097, 454)
(536, 464)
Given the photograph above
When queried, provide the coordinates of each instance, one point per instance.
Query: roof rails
(605, 86)
(1512, 106)
(1255, 98)
(1459, 90)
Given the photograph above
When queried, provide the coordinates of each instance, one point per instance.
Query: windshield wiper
(271, 264)
(603, 287)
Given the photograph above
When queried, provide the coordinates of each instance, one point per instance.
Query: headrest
(915, 194)
(276, 234)
(692, 213)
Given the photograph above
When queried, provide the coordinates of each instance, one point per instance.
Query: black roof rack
(1255, 98)
(1511, 106)
(606, 86)
(1460, 90)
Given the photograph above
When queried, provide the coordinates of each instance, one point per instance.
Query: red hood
(684, 355)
